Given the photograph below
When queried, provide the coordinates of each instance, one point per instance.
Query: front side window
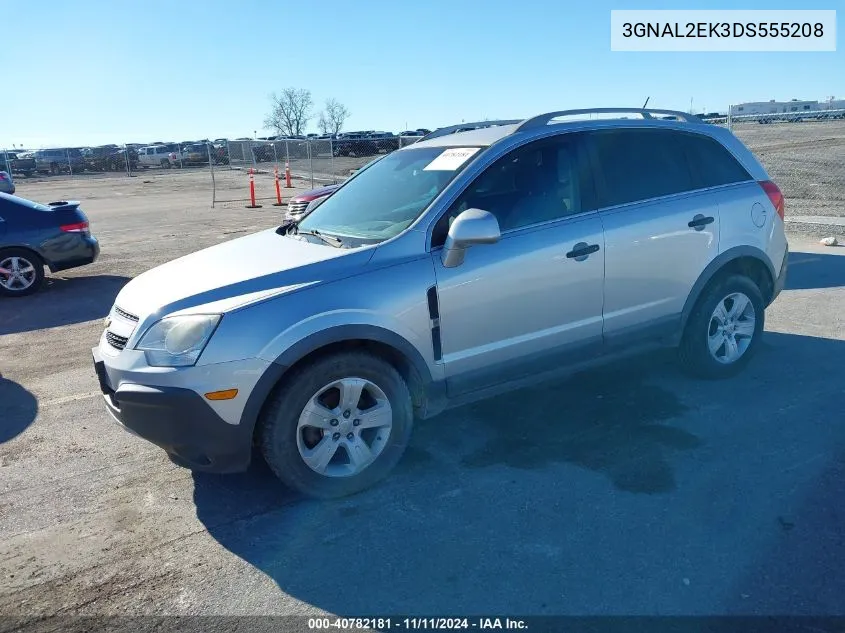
(387, 197)
(639, 164)
(536, 183)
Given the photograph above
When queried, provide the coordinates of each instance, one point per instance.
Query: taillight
(775, 195)
(78, 227)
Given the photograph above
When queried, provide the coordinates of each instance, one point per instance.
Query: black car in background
(17, 163)
(34, 236)
(355, 144)
(110, 158)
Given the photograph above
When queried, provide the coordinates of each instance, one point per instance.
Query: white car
(165, 156)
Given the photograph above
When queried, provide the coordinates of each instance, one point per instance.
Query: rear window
(711, 163)
(639, 164)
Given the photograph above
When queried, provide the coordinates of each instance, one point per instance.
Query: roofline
(542, 120)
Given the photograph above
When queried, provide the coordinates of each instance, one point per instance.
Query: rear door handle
(581, 251)
(700, 221)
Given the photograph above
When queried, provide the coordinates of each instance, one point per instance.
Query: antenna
(646, 103)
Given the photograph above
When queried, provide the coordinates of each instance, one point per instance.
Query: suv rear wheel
(724, 329)
(338, 425)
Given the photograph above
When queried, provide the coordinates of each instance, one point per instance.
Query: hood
(308, 196)
(236, 272)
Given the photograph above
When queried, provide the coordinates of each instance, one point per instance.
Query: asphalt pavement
(626, 490)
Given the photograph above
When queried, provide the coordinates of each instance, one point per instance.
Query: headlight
(177, 341)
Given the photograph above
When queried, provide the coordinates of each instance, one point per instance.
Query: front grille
(297, 208)
(125, 314)
(117, 342)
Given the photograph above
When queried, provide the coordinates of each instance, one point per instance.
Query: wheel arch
(743, 260)
(29, 248)
(385, 344)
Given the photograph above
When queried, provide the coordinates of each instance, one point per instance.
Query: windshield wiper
(328, 239)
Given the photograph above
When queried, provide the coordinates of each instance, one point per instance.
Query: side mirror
(472, 227)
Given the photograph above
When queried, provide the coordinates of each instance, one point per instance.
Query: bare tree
(332, 117)
(290, 111)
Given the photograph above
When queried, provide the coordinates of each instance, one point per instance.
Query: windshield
(384, 199)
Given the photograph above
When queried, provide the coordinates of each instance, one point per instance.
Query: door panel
(653, 258)
(518, 306)
(661, 229)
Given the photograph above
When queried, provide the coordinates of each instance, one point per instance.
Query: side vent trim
(434, 316)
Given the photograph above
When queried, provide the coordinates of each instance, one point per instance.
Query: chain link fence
(804, 153)
(220, 164)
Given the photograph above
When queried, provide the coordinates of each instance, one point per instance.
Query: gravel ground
(807, 160)
(628, 490)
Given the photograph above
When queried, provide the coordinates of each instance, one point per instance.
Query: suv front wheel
(337, 426)
(724, 329)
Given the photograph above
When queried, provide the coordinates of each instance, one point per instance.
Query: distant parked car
(354, 144)
(165, 156)
(56, 235)
(109, 158)
(18, 163)
(195, 154)
(220, 152)
(59, 161)
(299, 204)
(7, 185)
(385, 141)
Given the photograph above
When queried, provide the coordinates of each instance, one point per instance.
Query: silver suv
(461, 266)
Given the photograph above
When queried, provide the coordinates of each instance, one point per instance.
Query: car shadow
(487, 511)
(613, 423)
(18, 408)
(61, 301)
(815, 270)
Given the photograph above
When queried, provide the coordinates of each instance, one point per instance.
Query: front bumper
(178, 420)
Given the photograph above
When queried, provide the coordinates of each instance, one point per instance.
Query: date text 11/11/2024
(386, 624)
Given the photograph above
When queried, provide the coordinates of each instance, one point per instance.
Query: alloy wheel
(344, 427)
(731, 328)
(17, 274)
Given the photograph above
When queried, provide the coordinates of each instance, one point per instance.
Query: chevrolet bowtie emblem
(107, 322)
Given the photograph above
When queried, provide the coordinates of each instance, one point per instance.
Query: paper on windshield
(451, 159)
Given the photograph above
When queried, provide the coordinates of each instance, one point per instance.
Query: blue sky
(109, 71)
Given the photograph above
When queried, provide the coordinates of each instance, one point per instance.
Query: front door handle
(582, 251)
(700, 221)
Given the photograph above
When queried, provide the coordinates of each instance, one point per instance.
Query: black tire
(27, 174)
(277, 433)
(33, 259)
(694, 353)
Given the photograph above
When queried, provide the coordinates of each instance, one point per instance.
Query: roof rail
(444, 131)
(544, 119)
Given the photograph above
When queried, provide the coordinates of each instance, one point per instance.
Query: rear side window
(638, 164)
(711, 163)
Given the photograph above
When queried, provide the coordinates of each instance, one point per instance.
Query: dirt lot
(806, 159)
(649, 494)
